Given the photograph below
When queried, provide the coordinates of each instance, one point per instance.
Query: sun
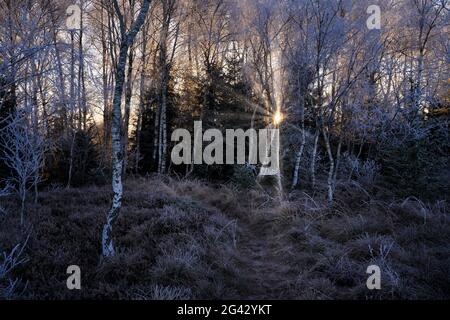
(278, 117)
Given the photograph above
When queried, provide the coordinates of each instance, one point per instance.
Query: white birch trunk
(72, 105)
(330, 187)
(313, 159)
(128, 93)
(167, 11)
(117, 150)
(298, 156)
(141, 98)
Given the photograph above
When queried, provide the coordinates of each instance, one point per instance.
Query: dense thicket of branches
(358, 103)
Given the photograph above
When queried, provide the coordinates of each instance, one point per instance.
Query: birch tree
(126, 41)
(23, 154)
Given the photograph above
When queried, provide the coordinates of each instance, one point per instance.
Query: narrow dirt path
(267, 276)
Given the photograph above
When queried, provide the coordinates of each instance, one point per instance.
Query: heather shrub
(163, 242)
(365, 172)
(407, 239)
(190, 239)
(244, 176)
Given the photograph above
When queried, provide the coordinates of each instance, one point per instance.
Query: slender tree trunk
(313, 159)
(35, 123)
(72, 106)
(34, 97)
(117, 155)
(163, 138)
(141, 98)
(81, 76)
(61, 89)
(338, 160)
(128, 93)
(298, 156)
(163, 64)
(106, 109)
(127, 39)
(330, 186)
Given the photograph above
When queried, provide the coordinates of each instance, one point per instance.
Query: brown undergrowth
(187, 239)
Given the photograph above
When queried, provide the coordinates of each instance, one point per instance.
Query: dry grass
(407, 239)
(169, 246)
(185, 239)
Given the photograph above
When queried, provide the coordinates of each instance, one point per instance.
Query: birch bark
(127, 39)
